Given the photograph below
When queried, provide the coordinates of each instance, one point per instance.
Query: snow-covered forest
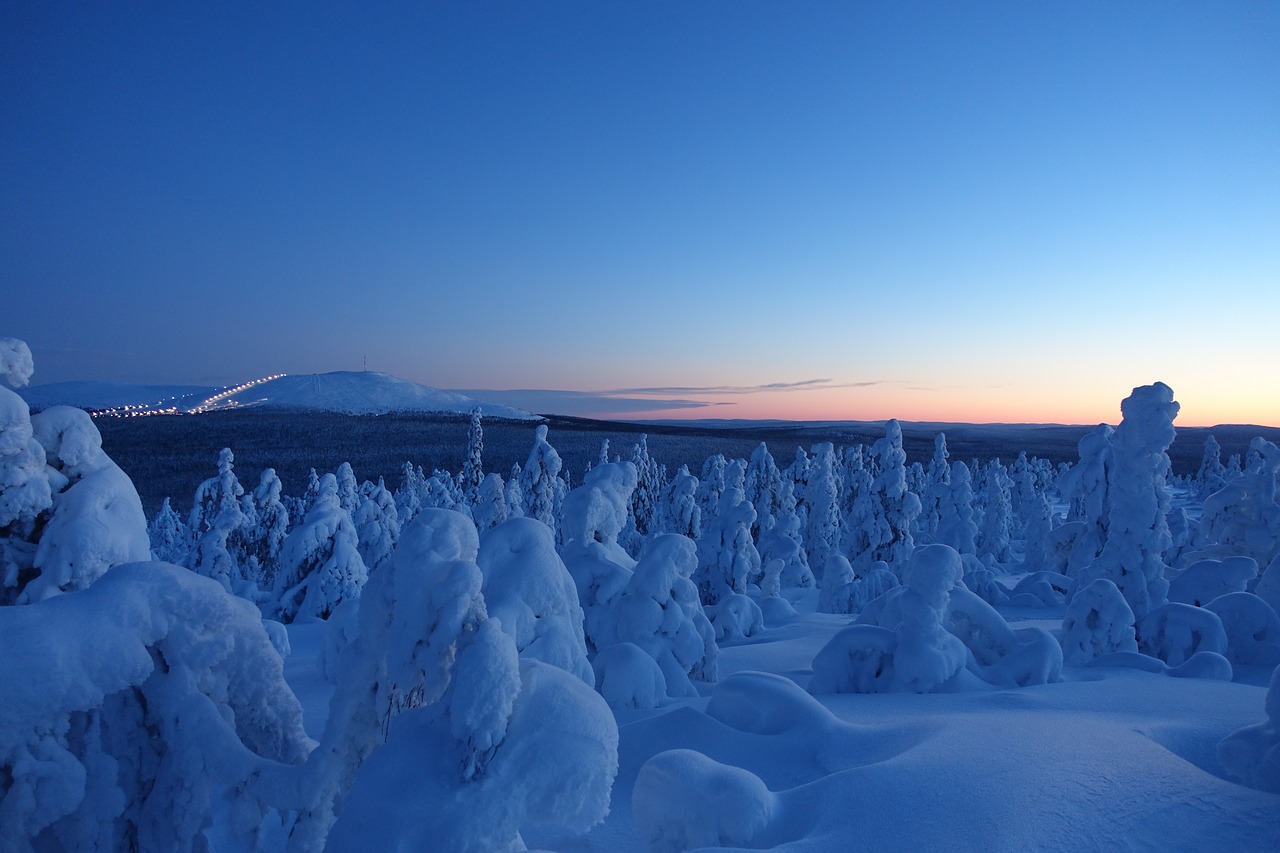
(818, 650)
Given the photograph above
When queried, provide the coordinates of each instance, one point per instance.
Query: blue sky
(934, 211)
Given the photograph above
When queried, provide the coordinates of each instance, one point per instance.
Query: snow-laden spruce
(683, 515)
(540, 481)
(133, 710)
(1086, 488)
(439, 735)
(530, 592)
(763, 488)
(784, 542)
(1137, 533)
(953, 508)
(1098, 622)
(892, 506)
(377, 524)
(24, 488)
(1243, 517)
(594, 514)
(728, 559)
(216, 515)
(95, 520)
(659, 612)
(822, 493)
(320, 565)
(932, 634)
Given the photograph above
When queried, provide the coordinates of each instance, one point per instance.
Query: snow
(495, 688)
(127, 706)
(16, 365)
(529, 590)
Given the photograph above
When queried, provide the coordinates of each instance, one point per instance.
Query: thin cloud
(585, 403)
(803, 385)
(622, 402)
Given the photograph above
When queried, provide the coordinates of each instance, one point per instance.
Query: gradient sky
(941, 211)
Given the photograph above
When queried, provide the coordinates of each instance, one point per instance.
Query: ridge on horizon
(352, 392)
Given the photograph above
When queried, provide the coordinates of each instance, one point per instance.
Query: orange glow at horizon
(961, 405)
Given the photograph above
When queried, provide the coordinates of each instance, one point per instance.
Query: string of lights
(224, 399)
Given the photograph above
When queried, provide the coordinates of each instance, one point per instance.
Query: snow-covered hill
(99, 396)
(364, 393)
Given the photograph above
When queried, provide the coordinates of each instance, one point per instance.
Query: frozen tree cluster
(483, 634)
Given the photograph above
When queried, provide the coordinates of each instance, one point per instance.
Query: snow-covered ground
(1107, 759)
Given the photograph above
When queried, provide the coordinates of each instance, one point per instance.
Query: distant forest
(169, 456)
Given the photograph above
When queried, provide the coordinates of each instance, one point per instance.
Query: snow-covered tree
(216, 515)
(137, 710)
(839, 591)
(937, 478)
(762, 487)
(272, 519)
(95, 520)
(798, 473)
(822, 536)
(530, 591)
(320, 565)
(1033, 512)
(711, 485)
(905, 645)
(377, 524)
(1086, 488)
(440, 491)
(490, 508)
(785, 543)
(727, 557)
(644, 499)
(25, 494)
(348, 488)
(954, 507)
(1098, 622)
(309, 495)
(433, 692)
(413, 484)
(595, 513)
(514, 493)
(659, 612)
(16, 364)
(893, 508)
(683, 514)
(540, 482)
(1137, 530)
(994, 533)
(473, 464)
(170, 539)
(1243, 517)
(918, 637)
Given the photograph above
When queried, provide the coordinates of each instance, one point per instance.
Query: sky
(975, 212)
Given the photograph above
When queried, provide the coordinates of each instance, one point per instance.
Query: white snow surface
(1110, 757)
(351, 392)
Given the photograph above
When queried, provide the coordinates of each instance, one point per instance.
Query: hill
(346, 392)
